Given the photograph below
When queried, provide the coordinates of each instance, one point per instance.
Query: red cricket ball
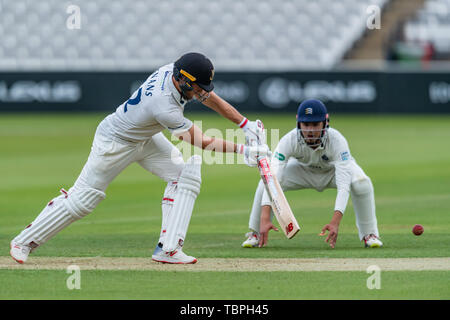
(417, 229)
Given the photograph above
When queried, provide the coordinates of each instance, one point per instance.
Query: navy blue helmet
(312, 110)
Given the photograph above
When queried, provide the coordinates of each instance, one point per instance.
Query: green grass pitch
(407, 158)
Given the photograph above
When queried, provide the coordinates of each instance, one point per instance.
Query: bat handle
(259, 158)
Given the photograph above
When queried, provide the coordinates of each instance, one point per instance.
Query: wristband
(243, 123)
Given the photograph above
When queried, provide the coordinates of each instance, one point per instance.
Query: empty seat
(253, 34)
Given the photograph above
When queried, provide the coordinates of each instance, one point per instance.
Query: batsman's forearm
(196, 137)
(223, 108)
(218, 145)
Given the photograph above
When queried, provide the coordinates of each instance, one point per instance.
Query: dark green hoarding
(360, 92)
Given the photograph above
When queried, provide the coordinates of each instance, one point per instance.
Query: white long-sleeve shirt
(333, 156)
(156, 105)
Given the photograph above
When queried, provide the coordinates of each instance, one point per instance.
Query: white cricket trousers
(106, 160)
(296, 177)
(157, 155)
(109, 157)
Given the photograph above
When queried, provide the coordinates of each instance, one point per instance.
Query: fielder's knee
(362, 186)
(80, 202)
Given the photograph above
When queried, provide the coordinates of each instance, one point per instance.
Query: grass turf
(223, 285)
(405, 156)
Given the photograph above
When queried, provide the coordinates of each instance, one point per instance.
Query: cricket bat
(280, 206)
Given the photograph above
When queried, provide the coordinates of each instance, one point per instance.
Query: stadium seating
(431, 25)
(139, 34)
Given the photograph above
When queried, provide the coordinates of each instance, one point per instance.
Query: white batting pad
(166, 206)
(58, 214)
(81, 201)
(180, 216)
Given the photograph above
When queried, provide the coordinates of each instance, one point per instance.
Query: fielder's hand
(265, 226)
(333, 228)
(332, 235)
(264, 233)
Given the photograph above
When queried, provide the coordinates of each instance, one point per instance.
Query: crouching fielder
(317, 157)
(133, 134)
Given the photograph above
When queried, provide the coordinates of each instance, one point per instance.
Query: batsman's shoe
(372, 241)
(19, 252)
(175, 257)
(252, 240)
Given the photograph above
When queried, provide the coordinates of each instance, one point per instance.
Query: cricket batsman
(315, 156)
(133, 133)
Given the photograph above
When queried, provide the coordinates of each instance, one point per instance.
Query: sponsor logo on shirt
(345, 155)
(280, 156)
(164, 80)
